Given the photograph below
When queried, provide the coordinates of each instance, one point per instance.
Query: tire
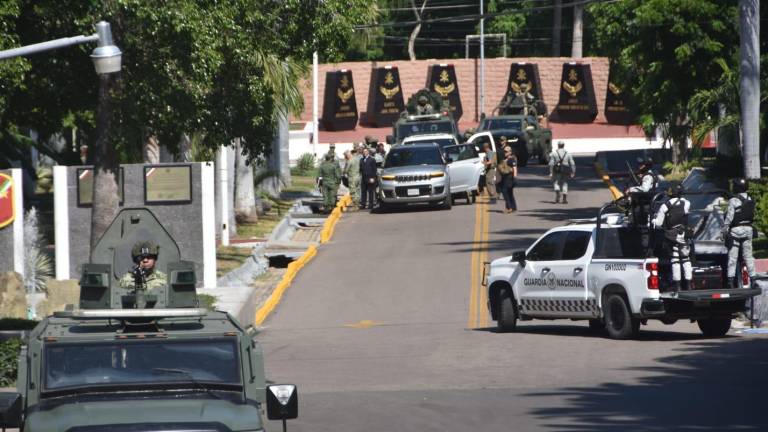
(507, 317)
(522, 160)
(448, 201)
(619, 322)
(714, 327)
(668, 321)
(474, 197)
(596, 325)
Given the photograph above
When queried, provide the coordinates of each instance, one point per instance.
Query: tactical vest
(745, 213)
(655, 178)
(676, 215)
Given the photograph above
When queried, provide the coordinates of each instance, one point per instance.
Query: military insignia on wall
(339, 104)
(7, 210)
(385, 97)
(617, 109)
(441, 78)
(577, 102)
(524, 75)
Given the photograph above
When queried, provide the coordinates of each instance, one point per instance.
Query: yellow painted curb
(615, 192)
(295, 266)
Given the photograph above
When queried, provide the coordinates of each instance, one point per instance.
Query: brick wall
(413, 76)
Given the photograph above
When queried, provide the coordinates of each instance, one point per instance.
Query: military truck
(111, 364)
(517, 119)
(411, 122)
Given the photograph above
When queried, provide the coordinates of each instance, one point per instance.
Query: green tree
(666, 52)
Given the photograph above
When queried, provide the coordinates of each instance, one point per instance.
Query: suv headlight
(436, 174)
(387, 177)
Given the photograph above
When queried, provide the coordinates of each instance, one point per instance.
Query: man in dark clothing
(369, 179)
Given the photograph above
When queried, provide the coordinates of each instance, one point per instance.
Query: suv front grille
(402, 191)
(411, 178)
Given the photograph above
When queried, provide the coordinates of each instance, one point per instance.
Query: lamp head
(107, 58)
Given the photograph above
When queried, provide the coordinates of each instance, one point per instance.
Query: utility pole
(482, 61)
(749, 23)
(315, 95)
(578, 31)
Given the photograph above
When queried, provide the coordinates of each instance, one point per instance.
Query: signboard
(7, 210)
(339, 104)
(523, 75)
(617, 109)
(385, 97)
(441, 78)
(577, 102)
(167, 184)
(85, 187)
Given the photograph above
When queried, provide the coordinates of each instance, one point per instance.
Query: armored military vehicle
(517, 118)
(413, 122)
(111, 364)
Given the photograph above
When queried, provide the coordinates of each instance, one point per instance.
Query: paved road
(386, 330)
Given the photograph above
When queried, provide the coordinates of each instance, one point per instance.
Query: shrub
(305, 164)
(207, 301)
(758, 190)
(9, 363)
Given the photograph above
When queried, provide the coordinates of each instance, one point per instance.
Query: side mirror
(10, 410)
(448, 160)
(390, 139)
(282, 402)
(519, 256)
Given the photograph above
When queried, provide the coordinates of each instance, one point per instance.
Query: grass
(229, 258)
(266, 222)
(303, 183)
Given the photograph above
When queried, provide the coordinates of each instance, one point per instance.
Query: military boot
(675, 286)
(557, 197)
(565, 199)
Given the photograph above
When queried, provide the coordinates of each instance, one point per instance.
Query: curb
(615, 192)
(293, 268)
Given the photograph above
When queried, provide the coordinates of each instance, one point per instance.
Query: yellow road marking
(364, 324)
(478, 297)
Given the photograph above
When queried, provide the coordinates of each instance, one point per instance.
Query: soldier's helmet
(560, 144)
(739, 185)
(675, 189)
(646, 164)
(142, 249)
(423, 99)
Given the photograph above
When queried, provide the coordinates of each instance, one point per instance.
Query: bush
(9, 363)
(207, 301)
(305, 164)
(758, 190)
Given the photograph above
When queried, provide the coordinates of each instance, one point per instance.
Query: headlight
(387, 177)
(436, 174)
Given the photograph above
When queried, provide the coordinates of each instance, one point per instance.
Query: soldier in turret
(144, 254)
(424, 107)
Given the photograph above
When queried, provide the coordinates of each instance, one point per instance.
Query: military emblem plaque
(7, 210)
(521, 76)
(617, 108)
(339, 104)
(577, 102)
(167, 184)
(85, 187)
(385, 97)
(441, 79)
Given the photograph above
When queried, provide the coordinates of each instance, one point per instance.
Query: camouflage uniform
(739, 238)
(156, 279)
(352, 171)
(330, 172)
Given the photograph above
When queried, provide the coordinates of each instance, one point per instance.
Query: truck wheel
(474, 196)
(714, 327)
(448, 201)
(618, 319)
(596, 325)
(668, 321)
(507, 319)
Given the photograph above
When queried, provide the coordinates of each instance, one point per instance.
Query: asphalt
(375, 333)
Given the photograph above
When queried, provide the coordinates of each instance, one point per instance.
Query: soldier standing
(490, 163)
(424, 107)
(561, 168)
(352, 171)
(330, 176)
(673, 218)
(738, 230)
(144, 254)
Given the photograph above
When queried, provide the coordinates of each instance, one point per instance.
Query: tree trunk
(578, 31)
(151, 150)
(416, 30)
(557, 25)
(245, 197)
(105, 166)
(749, 85)
(185, 148)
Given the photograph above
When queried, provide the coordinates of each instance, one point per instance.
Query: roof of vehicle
(426, 117)
(426, 137)
(92, 327)
(416, 145)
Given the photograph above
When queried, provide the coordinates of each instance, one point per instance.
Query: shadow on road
(580, 329)
(562, 213)
(507, 245)
(703, 386)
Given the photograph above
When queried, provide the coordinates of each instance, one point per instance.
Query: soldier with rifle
(738, 230)
(672, 218)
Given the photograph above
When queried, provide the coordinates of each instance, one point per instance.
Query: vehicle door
(537, 280)
(570, 292)
(480, 139)
(464, 167)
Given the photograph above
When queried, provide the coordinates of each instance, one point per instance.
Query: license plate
(413, 192)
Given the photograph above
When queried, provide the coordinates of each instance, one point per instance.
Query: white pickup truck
(571, 272)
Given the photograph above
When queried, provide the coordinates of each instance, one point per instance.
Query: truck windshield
(405, 130)
(407, 156)
(502, 123)
(72, 366)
